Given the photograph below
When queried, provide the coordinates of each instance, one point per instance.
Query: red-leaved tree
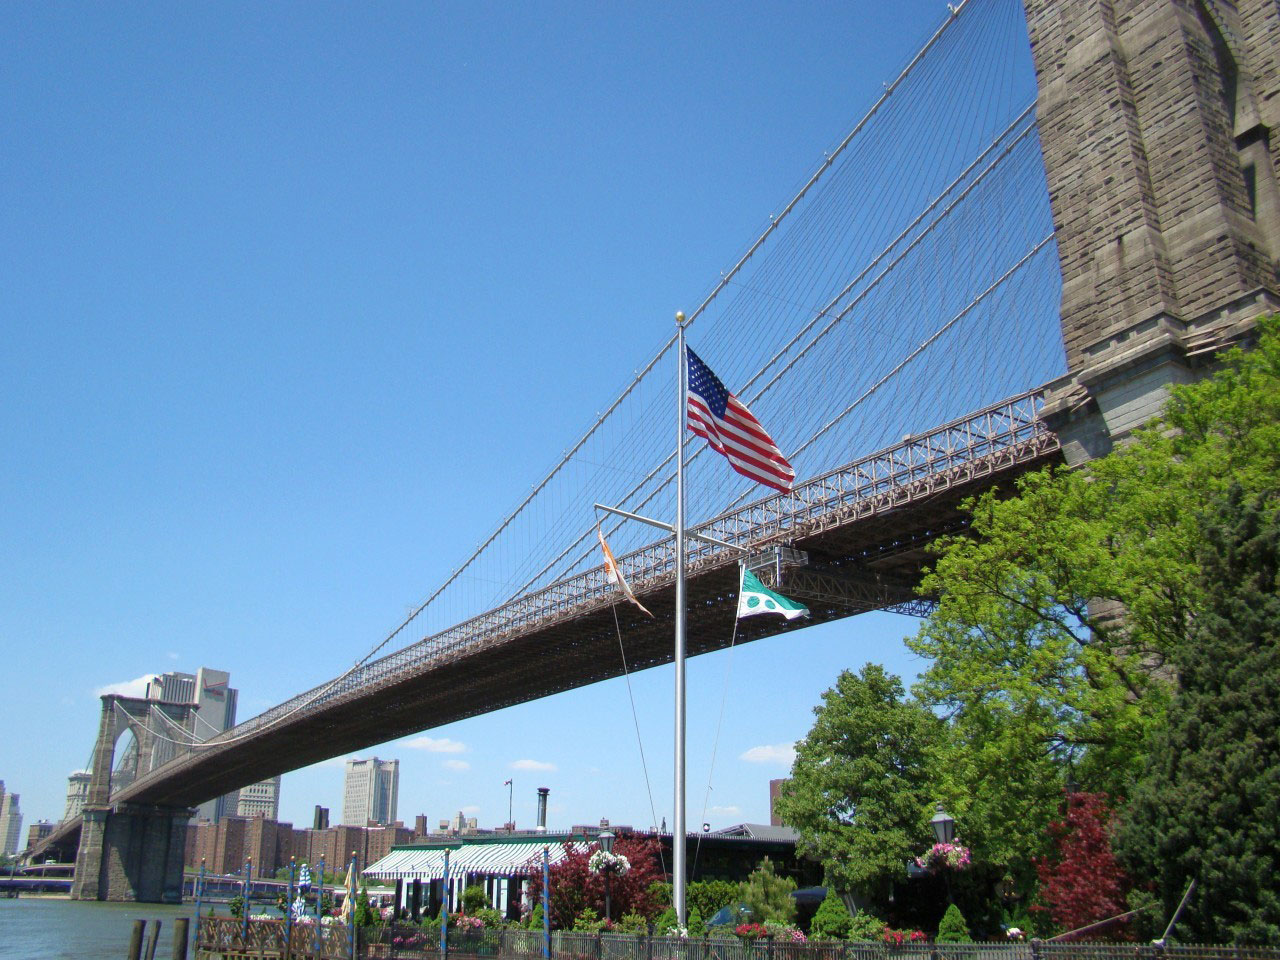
(574, 887)
(1084, 884)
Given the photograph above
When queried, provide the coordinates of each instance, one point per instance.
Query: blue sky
(299, 299)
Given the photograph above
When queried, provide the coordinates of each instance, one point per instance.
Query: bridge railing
(981, 443)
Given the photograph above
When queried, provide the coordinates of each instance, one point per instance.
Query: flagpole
(679, 834)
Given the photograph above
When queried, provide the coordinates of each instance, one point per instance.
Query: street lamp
(606, 844)
(944, 829)
(944, 825)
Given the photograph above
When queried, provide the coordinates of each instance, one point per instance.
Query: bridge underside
(865, 553)
(873, 564)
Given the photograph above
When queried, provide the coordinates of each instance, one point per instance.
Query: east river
(38, 928)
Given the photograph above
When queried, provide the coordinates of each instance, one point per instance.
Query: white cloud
(532, 765)
(171, 655)
(434, 745)
(726, 811)
(471, 810)
(127, 688)
(457, 764)
(782, 754)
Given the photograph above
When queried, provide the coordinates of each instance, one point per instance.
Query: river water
(39, 928)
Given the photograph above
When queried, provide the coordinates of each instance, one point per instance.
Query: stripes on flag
(728, 426)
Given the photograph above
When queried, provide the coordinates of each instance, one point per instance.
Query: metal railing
(981, 444)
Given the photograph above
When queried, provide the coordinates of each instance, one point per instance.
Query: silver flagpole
(679, 834)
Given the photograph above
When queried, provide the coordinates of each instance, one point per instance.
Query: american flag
(727, 424)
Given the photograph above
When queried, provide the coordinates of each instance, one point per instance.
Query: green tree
(697, 928)
(953, 929)
(706, 896)
(1062, 608)
(832, 921)
(860, 790)
(365, 915)
(768, 895)
(474, 899)
(1208, 805)
(667, 921)
(535, 917)
(866, 927)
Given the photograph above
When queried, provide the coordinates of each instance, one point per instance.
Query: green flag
(754, 597)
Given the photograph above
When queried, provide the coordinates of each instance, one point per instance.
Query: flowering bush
(899, 937)
(411, 941)
(462, 921)
(1015, 933)
(614, 864)
(784, 933)
(952, 856)
(751, 931)
(388, 913)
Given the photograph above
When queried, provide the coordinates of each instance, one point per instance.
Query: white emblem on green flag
(754, 597)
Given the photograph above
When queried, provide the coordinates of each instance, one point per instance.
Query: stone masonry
(1155, 118)
(129, 851)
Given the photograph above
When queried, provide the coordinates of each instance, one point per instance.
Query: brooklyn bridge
(1058, 209)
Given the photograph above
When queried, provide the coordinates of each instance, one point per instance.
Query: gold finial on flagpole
(680, 317)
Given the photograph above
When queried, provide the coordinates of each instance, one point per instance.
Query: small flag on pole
(614, 573)
(754, 597)
(727, 424)
(506, 783)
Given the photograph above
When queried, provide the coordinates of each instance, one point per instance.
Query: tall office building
(77, 793)
(371, 792)
(260, 800)
(214, 699)
(10, 822)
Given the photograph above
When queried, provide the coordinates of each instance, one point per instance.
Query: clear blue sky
(299, 299)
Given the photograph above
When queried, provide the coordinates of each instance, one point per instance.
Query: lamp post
(606, 844)
(944, 829)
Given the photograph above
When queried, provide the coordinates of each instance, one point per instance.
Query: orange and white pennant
(613, 572)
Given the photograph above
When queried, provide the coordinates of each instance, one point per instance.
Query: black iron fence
(222, 939)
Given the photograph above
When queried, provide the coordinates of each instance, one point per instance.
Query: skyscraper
(260, 799)
(10, 822)
(371, 792)
(77, 793)
(215, 710)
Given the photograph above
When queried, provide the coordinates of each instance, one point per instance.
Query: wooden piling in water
(135, 940)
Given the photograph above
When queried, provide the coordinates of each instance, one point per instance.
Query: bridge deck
(867, 524)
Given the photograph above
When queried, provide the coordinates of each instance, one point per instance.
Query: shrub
(865, 926)
(832, 921)
(696, 926)
(474, 899)
(953, 929)
(535, 918)
(667, 921)
(769, 895)
(633, 923)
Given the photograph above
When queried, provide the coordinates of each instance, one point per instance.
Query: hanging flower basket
(614, 864)
(944, 856)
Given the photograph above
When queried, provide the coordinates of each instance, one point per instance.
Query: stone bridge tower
(1156, 119)
(130, 851)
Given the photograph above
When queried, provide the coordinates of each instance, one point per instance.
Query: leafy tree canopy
(1059, 612)
(860, 792)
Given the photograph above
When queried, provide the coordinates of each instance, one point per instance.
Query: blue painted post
(320, 907)
(546, 902)
(351, 901)
(199, 896)
(244, 910)
(288, 909)
(444, 908)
